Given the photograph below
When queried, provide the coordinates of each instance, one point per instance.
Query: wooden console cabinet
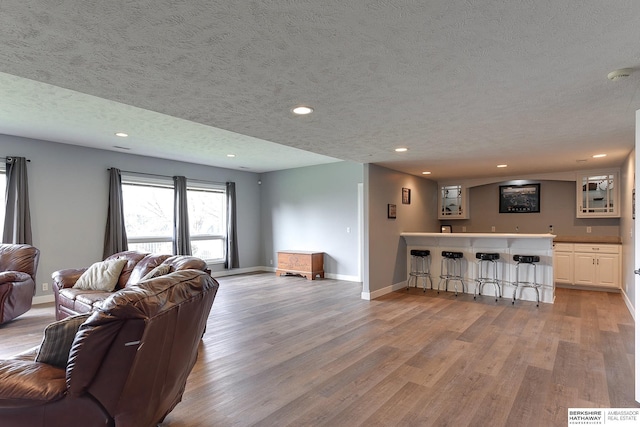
(304, 263)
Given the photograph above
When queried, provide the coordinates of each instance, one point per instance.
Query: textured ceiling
(463, 85)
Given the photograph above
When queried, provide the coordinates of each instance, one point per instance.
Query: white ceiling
(463, 85)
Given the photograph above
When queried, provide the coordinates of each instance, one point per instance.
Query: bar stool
(487, 273)
(530, 262)
(420, 261)
(451, 270)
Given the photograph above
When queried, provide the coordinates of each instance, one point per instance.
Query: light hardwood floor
(284, 351)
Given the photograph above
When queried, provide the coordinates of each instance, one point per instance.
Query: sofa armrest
(66, 278)
(26, 383)
(13, 276)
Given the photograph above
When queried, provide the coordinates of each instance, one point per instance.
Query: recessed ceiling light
(302, 110)
(122, 134)
(597, 156)
(617, 74)
(401, 149)
(426, 173)
(502, 166)
(231, 155)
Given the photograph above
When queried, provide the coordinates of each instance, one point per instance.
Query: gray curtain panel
(17, 220)
(232, 260)
(115, 235)
(181, 239)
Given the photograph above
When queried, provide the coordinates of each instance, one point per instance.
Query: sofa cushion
(160, 270)
(101, 276)
(57, 340)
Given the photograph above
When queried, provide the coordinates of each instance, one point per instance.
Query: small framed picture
(406, 196)
(391, 211)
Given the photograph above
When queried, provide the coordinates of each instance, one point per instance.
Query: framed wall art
(406, 196)
(520, 198)
(391, 211)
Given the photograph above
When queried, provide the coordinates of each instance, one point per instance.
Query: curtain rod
(168, 176)
(9, 158)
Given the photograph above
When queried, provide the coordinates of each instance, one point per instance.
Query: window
(148, 216)
(207, 221)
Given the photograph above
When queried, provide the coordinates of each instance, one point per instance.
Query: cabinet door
(608, 273)
(584, 272)
(452, 202)
(563, 267)
(598, 195)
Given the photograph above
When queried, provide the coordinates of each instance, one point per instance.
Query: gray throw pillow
(101, 276)
(58, 339)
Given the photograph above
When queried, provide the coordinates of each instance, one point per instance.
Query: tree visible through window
(148, 216)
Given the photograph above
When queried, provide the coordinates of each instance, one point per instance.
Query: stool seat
(487, 256)
(452, 255)
(420, 252)
(528, 259)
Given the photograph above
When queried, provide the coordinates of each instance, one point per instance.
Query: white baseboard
(628, 303)
(346, 278)
(376, 294)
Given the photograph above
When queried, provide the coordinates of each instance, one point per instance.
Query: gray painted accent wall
(313, 208)
(557, 208)
(68, 196)
(385, 250)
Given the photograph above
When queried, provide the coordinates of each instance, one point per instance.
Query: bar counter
(506, 244)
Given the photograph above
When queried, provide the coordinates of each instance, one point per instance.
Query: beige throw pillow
(101, 276)
(160, 270)
(58, 339)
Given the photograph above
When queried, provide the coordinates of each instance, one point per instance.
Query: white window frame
(166, 182)
(148, 181)
(214, 188)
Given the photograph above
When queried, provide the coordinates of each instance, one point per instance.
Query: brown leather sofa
(128, 363)
(70, 301)
(18, 266)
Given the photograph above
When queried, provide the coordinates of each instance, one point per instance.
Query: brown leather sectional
(18, 265)
(70, 301)
(128, 363)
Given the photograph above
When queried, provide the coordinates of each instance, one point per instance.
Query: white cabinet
(598, 195)
(453, 202)
(597, 265)
(563, 263)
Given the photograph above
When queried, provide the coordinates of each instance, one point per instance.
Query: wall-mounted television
(520, 198)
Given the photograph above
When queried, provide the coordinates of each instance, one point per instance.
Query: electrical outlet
(270, 262)
(45, 286)
(588, 229)
(464, 228)
(493, 228)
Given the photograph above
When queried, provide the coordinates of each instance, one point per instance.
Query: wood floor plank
(288, 351)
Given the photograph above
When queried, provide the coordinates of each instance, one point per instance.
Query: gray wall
(385, 250)
(68, 196)
(627, 228)
(557, 208)
(311, 209)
